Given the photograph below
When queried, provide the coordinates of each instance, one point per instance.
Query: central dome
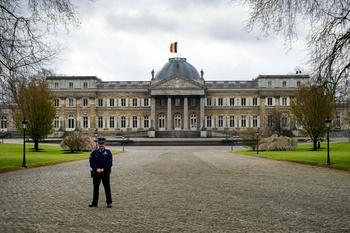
(178, 65)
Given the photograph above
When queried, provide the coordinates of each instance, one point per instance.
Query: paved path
(179, 189)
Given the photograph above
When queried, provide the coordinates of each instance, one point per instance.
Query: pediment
(177, 82)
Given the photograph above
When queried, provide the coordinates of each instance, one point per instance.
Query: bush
(78, 142)
(276, 143)
(249, 139)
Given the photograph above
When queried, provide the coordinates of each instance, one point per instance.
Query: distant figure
(101, 162)
(152, 74)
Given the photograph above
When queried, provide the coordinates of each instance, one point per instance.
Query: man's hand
(99, 170)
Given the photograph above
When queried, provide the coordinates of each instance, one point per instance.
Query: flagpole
(177, 49)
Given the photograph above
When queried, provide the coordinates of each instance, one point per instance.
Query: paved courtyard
(178, 189)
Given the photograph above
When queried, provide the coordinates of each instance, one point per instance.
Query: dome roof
(178, 65)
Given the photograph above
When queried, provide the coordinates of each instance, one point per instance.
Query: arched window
(193, 121)
(71, 121)
(284, 120)
(161, 121)
(177, 121)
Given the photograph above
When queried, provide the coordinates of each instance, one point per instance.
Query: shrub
(276, 143)
(249, 139)
(78, 142)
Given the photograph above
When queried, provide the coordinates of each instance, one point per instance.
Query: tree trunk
(36, 145)
(315, 144)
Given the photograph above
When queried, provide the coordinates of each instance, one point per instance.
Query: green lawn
(339, 155)
(11, 156)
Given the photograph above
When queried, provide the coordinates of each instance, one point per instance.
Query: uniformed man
(101, 163)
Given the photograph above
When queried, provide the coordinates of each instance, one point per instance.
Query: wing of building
(176, 102)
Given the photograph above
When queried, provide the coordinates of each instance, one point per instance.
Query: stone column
(63, 112)
(262, 111)
(185, 113)
(153, 111)
(202, 112)
(78, 114)
(169, 117)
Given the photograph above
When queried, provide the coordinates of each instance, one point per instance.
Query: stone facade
(179, 101)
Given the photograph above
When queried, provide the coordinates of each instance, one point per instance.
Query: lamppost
(257, 141)
(24, 126)
(328, 125)
(232, 142)
(96, 137)
(123, 142)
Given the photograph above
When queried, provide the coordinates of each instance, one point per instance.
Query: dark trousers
(104, 176)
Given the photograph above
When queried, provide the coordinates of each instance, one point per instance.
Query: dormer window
(269, 84)
(284, 84)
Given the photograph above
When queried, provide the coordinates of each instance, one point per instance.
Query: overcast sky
(122, 40)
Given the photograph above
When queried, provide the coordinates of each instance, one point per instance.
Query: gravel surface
(178, 189)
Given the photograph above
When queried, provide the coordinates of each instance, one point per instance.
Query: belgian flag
(173, 47)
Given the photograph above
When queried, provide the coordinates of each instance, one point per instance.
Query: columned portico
(177, 94)
(172, 89)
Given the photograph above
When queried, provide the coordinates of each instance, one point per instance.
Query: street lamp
(257, 141)
(96, 137)
(24, 126)
(328, 125)
(232, 141)
(123, 142)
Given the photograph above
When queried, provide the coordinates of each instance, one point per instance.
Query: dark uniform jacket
(101, 159)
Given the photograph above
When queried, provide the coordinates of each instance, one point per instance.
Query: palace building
(176, 102)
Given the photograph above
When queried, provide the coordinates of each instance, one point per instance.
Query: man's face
(101, 145)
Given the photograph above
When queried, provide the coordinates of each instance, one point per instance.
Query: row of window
(85, 85)
(283, 84)
(221, 122)
(135, 121)
(270, 101)
(135, 102)
(85, 102)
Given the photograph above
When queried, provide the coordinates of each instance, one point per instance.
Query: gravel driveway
(178, 189)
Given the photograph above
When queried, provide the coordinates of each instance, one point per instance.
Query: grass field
(339, 155)
(11, 156)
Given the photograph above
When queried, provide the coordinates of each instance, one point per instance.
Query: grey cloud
(139, 23)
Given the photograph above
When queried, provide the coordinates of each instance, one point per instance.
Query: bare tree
(328, 34)
(24, 26)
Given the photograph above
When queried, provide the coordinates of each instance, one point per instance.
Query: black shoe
(93, 205)
(109, 205)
